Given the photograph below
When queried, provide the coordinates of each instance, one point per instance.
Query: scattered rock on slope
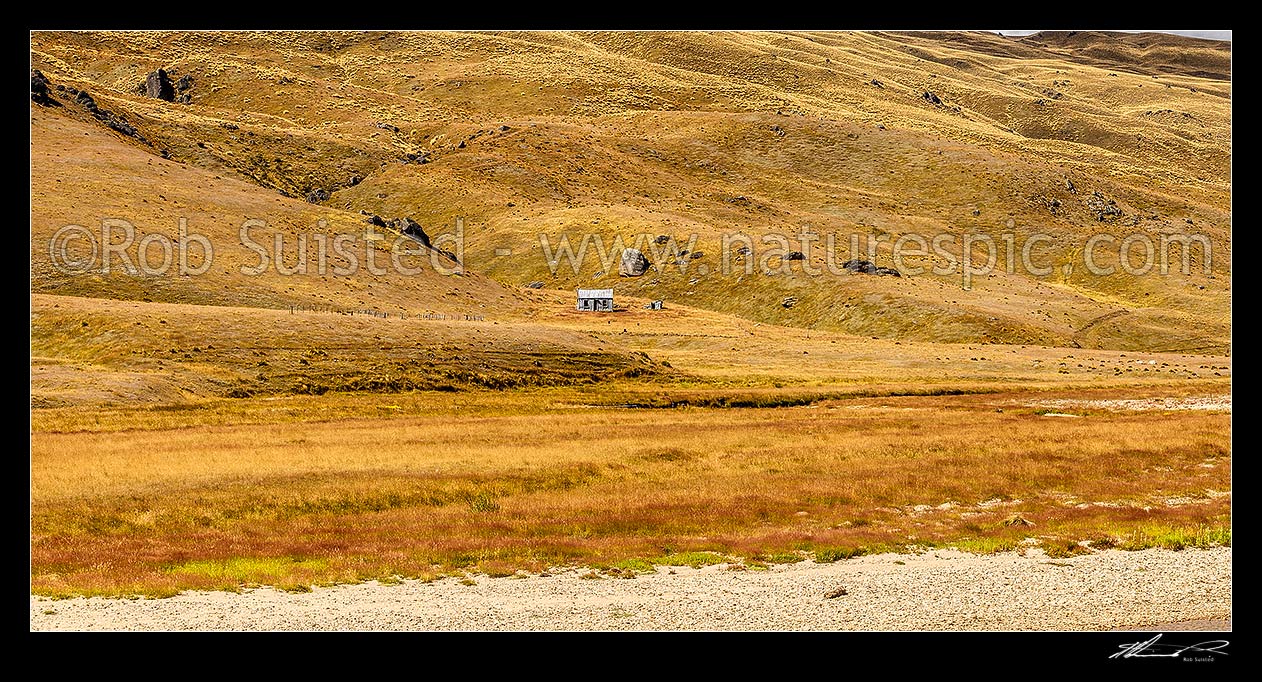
(1103, 208)
(1052, 203)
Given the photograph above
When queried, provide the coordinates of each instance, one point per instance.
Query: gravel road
(933, 591)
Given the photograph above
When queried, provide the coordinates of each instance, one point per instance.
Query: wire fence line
(368, 312)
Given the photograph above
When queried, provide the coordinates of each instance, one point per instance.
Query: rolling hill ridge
(525, 139)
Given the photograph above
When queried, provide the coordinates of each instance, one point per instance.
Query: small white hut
(595, 299)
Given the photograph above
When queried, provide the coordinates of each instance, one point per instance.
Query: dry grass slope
(620, 134)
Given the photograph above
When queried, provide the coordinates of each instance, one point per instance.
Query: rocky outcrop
(39, 90)
(83, 99)
(182, 87)
(867, 267)
(414, 230)
(863, 266)
(633, 263)
(158, 86)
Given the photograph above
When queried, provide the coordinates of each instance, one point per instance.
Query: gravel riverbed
(932, 591)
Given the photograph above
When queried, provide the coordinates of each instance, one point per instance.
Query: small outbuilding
(595, 299)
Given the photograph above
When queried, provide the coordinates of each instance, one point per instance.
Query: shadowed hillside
(1147, 53)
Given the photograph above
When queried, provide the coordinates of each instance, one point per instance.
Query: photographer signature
(1152, 649)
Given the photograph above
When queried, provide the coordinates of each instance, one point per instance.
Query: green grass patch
(496, 569)
(1177, 537)
(483, 503)
(828, 555)
(249, 570)
(985, 545)
(1058, 548)
(782, 558)
(692, 559)
(636, 565)
(1100, 542)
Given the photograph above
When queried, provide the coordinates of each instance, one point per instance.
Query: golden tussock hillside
(608, 135)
